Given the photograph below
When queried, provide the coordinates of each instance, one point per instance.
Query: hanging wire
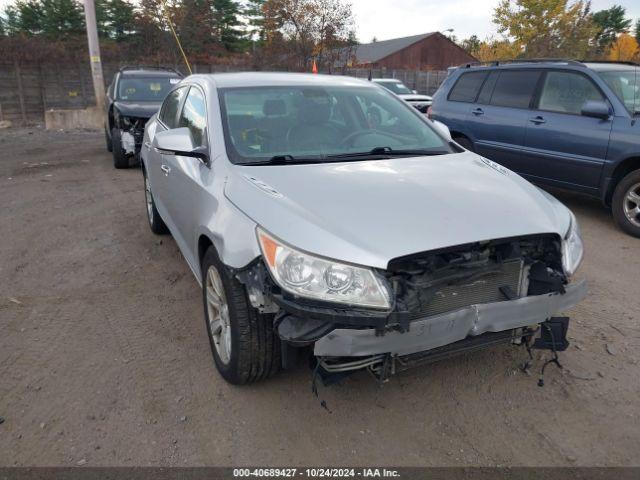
(166, 16)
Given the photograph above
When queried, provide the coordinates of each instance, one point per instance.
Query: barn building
(428, 51)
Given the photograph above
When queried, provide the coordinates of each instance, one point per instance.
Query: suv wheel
(156, 223)
(244, 345)
(625, 204)
(120, 159)
(108, 140)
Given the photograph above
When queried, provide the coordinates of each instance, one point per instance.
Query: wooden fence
(27, 90)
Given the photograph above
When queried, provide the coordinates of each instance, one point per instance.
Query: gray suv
(374, 247)
(567, 124)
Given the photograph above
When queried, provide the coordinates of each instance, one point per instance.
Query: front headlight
(572, 248)
(323, 279)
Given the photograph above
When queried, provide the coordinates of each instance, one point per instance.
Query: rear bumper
(436, 331)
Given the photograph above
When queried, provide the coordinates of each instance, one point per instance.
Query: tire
(465, 143)
(252, 352)
(625, 203)
(156, 223)
(120, 159)
(108, 141)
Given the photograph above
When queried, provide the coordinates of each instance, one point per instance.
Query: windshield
(145, 89)
(396, 87)
(321, 122)
(625, 84)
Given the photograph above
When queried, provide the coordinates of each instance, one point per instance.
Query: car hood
(369, 212)
(137, 109)
(415, 97)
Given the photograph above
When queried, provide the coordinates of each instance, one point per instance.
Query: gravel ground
(104, 358)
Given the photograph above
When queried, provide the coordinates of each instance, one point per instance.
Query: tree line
(291, 34)
(558, 29)
(284, 33)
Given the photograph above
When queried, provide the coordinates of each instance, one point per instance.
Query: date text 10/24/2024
(316, 472)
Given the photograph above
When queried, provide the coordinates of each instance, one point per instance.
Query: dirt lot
(104, 358)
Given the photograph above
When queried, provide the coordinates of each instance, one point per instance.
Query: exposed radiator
(484, 289)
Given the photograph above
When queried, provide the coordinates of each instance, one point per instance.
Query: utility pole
(94, 52)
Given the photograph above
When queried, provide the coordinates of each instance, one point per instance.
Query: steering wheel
(349, 139)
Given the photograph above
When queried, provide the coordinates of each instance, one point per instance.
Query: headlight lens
(322, 279)
(572, 248)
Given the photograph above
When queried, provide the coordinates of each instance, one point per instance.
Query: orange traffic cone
(314, 68)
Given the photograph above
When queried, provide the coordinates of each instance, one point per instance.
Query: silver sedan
(324, 213)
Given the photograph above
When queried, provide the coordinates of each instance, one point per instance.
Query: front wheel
(625, 204)
(108, 140)
(156, 223)
(120, 158)
(243, 342)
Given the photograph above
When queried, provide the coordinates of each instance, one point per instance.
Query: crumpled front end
(444, 302)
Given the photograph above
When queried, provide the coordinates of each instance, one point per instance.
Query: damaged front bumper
(439, 330)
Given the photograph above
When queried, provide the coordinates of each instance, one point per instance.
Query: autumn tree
(547, 28)
(624, 49)
(610, 23)
(491, 50)
(303, 30)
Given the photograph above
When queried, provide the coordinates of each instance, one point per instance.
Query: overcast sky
(386, 19)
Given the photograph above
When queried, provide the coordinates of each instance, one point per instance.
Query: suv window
(169, 111)
(487, 88)
(194, 116)
(467, 87)
(515, 88)
(566, 92)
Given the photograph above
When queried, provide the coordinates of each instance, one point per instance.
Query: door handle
(537, 120)
(148, 145)
(166, 169)
(477, 111)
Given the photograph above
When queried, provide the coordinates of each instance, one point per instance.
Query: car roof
(551, 63)
(386, 80)
(273, 79)
(149, 72)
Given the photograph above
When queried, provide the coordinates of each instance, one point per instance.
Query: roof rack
(495, 63)
(621, 62)
(149, 67)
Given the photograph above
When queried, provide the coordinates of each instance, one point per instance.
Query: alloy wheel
(149, 198)
(631, 204)
(218, 313)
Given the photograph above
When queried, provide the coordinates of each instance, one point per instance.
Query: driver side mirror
(180, 142)
(595, 109)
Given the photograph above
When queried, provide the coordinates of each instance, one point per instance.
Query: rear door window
(515, 88)
(566, 92)
(467, 87)
(487, 88)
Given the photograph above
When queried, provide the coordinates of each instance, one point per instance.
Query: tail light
(430, 113)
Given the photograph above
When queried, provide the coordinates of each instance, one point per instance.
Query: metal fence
(27, 90)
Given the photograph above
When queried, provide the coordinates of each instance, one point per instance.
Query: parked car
(566, 124)
(376, 247)
(135, 93)
(413, 98)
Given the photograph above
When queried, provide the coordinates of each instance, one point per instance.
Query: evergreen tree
(255, 18)
(611, 23)
(226, 17)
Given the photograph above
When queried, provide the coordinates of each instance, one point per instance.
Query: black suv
(134, 95)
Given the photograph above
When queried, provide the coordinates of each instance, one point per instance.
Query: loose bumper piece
(439, 330)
